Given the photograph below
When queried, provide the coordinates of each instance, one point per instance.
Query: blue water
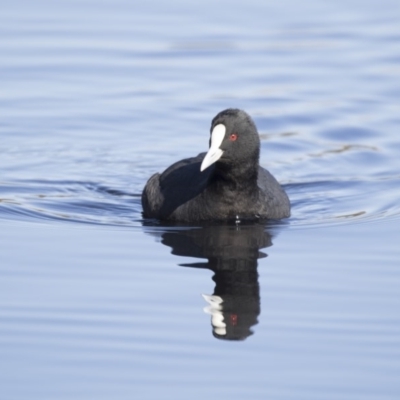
(96, 302)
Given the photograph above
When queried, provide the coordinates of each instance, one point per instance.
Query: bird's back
(277, 201)
(177, 185)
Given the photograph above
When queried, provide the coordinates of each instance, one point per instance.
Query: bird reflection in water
(232, 253)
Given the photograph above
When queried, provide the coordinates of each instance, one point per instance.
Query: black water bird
(226, 183)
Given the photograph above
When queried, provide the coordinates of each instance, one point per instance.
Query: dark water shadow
(232, 253)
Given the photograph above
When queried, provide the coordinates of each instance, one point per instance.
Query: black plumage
(225, 184)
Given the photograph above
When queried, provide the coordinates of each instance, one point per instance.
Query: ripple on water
(333, 202)
(68, 201)
(314, 203)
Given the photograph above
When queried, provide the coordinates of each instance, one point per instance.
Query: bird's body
(225, 184)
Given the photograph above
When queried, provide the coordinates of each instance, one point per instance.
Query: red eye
(233, 137)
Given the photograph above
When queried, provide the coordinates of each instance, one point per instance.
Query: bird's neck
(237, 178)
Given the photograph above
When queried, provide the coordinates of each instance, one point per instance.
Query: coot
(226, 183)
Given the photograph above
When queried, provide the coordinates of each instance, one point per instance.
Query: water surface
(97, 302)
